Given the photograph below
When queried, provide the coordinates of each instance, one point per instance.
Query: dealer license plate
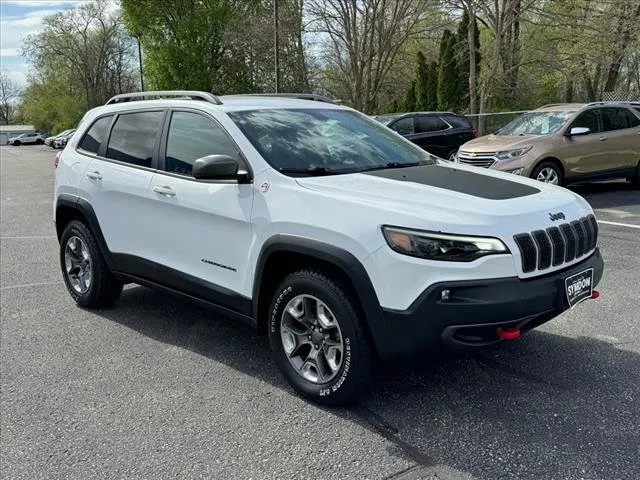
(579, 287)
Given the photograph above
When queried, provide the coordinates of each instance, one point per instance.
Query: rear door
(203, 227)
(116, 182)
(434, 135)
(620, 139)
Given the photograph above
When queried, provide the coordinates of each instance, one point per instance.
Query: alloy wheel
(311, 339)
(548, 175)
(78, 265)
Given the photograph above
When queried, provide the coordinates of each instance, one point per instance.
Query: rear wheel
(39, 141)
(318, 340)
(635, 180)
(452, 155)
(86, 274)
(548, 172)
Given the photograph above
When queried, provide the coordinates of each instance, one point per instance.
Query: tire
(548, 170)
(451, 155)
(81, 257)
(17, 143)
(352, 371)
(39, 142)
(635, 180)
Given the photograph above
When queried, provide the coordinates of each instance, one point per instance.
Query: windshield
(535, 123)
(326, 141)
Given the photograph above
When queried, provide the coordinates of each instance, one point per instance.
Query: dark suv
(439, 133)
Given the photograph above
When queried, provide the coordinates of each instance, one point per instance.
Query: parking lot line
(25, 285)
(619, 224)
(27, 237)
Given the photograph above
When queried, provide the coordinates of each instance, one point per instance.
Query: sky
(19, 18)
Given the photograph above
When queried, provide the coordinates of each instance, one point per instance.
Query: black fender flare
(85, 210)
(336, 256)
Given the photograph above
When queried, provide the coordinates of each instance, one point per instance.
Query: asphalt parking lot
(157, 388)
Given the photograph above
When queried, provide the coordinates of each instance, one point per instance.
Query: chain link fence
(486, 123)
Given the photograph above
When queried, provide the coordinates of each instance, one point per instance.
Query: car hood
(498, 143)
(453, 197)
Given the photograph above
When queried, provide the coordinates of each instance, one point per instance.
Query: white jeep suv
(341, 240)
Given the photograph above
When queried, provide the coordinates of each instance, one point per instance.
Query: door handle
(602, 139)
(167, 191)
(94, 175)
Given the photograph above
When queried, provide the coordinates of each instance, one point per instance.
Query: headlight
(517, 171)
(441, 246)
(518, 152)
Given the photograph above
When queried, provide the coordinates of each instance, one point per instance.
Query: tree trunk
(473, 66)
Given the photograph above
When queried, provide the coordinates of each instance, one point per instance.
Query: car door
(203, 227)
(620, 149)
(122, 153)
(582, 153)
(405, 126)
(433, 135)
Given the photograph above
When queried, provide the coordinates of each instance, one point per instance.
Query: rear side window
(617, 119)
(96, 135)
(193, 136)
(457, 122)
(430, 124)
(404, 126)
(133, 137)
(587, 119)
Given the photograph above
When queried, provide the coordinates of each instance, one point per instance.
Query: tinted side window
(404, 126)
(95, 135)
(616, 119)
(430, 124)
(193, 136)
(134, 136)
(588, 119)
(457, 122)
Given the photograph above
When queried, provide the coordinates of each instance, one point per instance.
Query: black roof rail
(190, 94)
(300, 96)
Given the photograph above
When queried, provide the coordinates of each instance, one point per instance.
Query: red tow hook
(508, 333)
(595, 294)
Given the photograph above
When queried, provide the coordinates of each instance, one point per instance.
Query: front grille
(482, 159)
(541, 249)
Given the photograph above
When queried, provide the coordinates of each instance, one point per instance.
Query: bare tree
(9, 93)
(364, 40)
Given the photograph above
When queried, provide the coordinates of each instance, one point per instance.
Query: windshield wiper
(311, 171)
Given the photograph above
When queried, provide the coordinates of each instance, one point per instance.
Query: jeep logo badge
(556, 216)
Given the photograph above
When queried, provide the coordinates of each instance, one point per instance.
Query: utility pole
(140, 63)
(275, 44)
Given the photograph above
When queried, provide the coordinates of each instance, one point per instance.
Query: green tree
(409, 104)
(447, 73)
(432, 86)
(462, 59)
(422, 92)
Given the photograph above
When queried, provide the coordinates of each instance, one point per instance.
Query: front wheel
(548, 172)
(16, 143)
(318, 340)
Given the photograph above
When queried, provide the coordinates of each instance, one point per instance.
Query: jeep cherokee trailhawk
(340, 239)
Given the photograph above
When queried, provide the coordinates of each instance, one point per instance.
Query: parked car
(26, 139)
(439, 133)
(342, 241)
(50, 140)
(61, 140)
(564, 143)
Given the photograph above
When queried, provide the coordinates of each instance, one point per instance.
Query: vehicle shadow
(545, 406)
(608, 194)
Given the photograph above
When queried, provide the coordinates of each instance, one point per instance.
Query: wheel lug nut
(317, 347)
(309, 337)
(320, 330)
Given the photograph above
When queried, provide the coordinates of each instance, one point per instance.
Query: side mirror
(579, 131)
(215, 167)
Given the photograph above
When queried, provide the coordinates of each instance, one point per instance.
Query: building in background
(8, 131)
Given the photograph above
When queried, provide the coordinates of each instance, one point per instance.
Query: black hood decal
(462, 181)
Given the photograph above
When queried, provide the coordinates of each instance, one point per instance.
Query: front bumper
(475, 309)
